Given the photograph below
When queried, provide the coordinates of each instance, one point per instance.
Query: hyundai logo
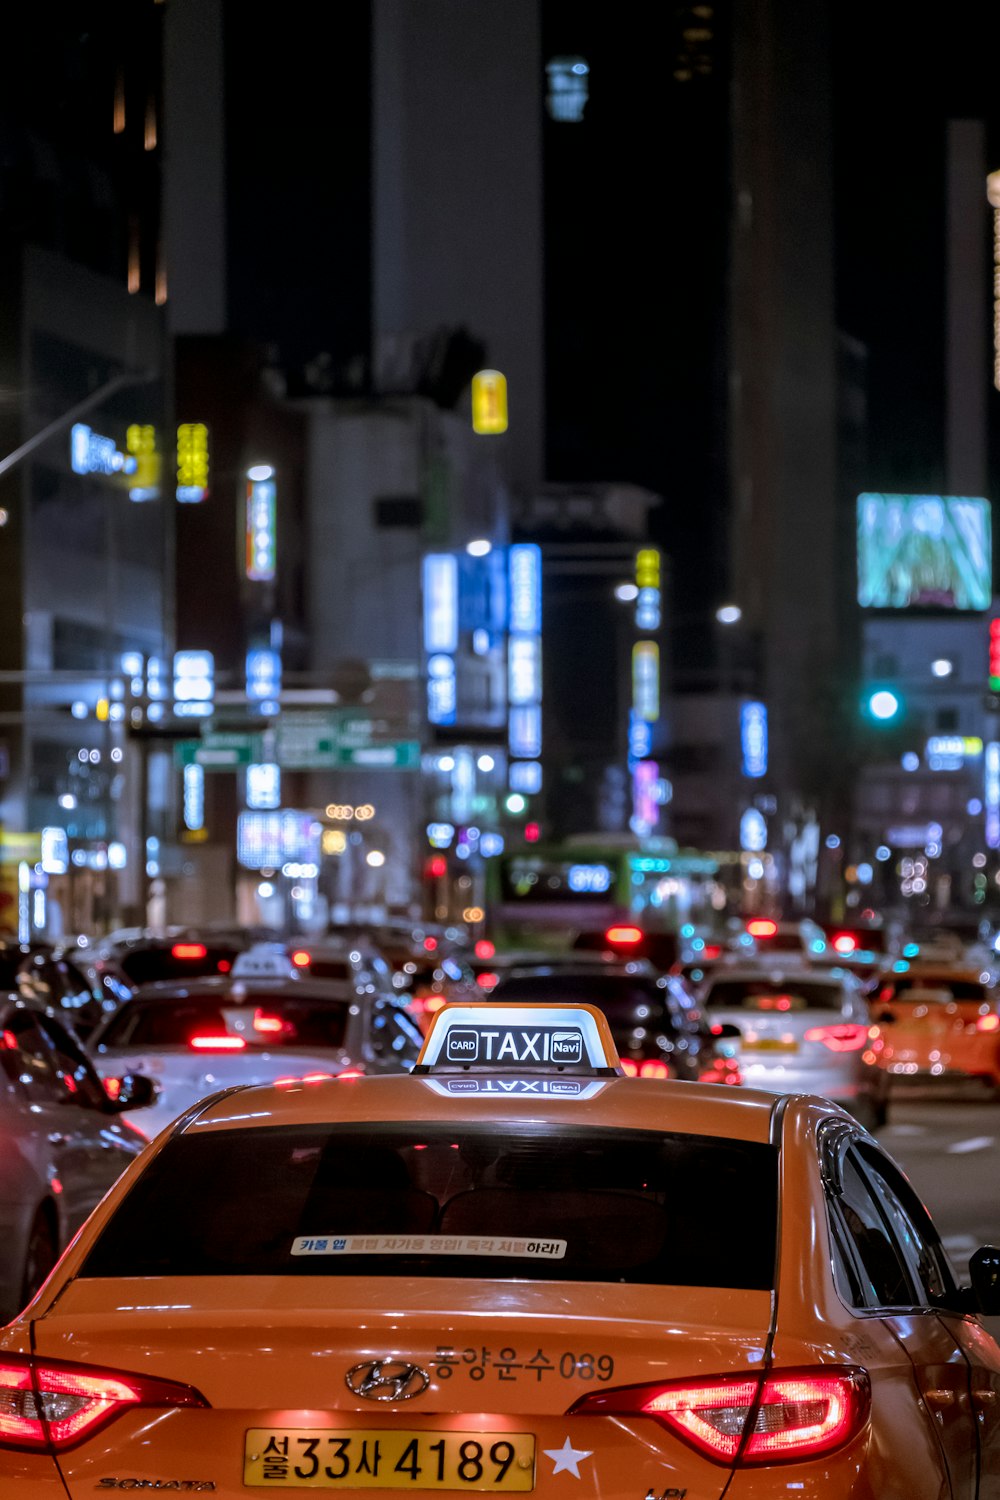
(387, 1380)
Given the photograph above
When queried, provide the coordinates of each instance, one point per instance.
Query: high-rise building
(85, 539)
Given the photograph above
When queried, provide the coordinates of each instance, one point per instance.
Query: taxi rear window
(150, 965)
(551, 1203)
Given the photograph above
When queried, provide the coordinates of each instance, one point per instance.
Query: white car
(214, 1033)
(798, 1030)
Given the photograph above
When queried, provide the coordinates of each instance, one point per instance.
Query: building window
(569, 88)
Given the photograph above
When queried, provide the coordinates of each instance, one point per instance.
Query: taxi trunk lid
(291, 1359)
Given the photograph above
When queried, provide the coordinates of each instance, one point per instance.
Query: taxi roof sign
(523, 1039)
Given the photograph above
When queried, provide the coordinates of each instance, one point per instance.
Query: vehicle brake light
(629, 1068)
(487, 980)
(433, 1003)
(746, 1421)
(653, 1068)
(47, 1403)
(112, 1087)
(485, 949)
(224, 965)
(221, 1043)
(710, 952)
(301, 959)
(430, 944)
(271, 1025)
(351, 1073)
(189, 950)
(848, 1038)
(988, 1023)
(623, 935)
(762, 927)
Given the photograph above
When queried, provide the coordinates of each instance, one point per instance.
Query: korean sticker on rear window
(427, 1244)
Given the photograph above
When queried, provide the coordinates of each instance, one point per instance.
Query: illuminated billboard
(924, 552)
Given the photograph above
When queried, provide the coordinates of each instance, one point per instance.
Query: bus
(544, 895)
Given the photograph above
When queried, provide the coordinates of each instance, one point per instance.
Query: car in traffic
(657, 1026)
(212, 1033)
(938, 1022)
(513, 1271)
(64, 1143)
(801, 1030)
(767, 936)
(147, 956)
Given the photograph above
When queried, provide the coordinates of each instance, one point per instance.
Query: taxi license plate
(770, 1044)
(387, 1459)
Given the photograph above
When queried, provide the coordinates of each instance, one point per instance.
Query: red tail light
(988, 1023)
(189, 950)
(352, 1073)
(709, 952)
(762, 927)
(112, 1087)
(267, 1025)
(845, 942)
(487, 980)
(751, 1420)
(47, 1403)
(849, 1038)
(629, 1068)
(222, 1043)
(653, 1068)
(430, 944)
(301, 959)
(485, 949)
(224, 965)
(623, 936)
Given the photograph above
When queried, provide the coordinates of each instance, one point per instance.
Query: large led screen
(924, 552)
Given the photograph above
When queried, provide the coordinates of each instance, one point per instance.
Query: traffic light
(883, 704)
(994, 677)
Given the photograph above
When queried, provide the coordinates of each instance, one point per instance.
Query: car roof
(625, 1103)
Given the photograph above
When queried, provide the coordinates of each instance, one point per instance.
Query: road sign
(400, 755)
(220, 752)
(323, 740)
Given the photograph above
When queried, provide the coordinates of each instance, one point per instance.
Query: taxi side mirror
(984, 1273)
(135, 1091)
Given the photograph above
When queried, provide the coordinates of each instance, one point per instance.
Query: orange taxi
(514, 1271)
(938, 1021)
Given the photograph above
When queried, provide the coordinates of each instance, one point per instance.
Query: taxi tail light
(268, 1025)
(112, 1087)
(629, 1067)
(222, 1043)
(352, 1073)
(52, 1405)
(653, 1068)
(301, 959)
(189, 950)
(787, 1415)
(848, 1038)
(988, 1023)
(487, 980)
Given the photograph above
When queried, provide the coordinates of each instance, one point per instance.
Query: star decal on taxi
(567, 1458)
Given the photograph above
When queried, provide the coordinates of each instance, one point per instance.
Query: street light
(729, 614)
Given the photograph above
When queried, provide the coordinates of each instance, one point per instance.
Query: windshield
(625, 999)
(498, 1200)
(922, 989)
(148, 965)
(788, 993)
(262, 1020)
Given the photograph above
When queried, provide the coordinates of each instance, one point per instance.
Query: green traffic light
(883, 704)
